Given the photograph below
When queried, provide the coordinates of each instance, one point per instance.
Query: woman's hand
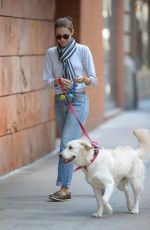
(67, 83)
(83, 79)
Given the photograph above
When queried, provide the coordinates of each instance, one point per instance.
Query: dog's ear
(86, 145)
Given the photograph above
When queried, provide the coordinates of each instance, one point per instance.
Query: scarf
(64, 54)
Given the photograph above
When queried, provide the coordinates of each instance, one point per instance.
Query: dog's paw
(108, 207)
(134, 211)
(110, 210)
(97, 215)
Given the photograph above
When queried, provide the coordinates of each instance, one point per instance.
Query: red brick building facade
(27, 123)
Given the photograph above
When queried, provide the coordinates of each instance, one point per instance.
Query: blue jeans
(69, 130)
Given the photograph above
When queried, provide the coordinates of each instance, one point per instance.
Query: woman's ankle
(64, 190)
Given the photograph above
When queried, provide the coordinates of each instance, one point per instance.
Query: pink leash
(94, 143)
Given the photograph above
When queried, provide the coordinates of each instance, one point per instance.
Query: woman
(73, 63)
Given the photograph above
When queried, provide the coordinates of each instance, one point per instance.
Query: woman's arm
(90, 76)
(48, 77)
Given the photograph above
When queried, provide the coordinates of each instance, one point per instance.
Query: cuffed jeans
(69, 130)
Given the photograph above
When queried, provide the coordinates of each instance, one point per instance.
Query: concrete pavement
(23, 194)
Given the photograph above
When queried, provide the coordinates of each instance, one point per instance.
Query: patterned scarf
(64, 54)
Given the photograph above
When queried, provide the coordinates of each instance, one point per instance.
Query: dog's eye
(70, 147)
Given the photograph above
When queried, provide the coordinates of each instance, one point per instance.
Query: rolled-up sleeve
(48, 77)
(89, 65)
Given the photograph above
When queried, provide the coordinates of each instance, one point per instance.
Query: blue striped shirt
(82, 63)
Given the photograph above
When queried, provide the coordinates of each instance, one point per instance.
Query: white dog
(105, 169)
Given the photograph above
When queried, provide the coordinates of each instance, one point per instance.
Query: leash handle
(94, 143)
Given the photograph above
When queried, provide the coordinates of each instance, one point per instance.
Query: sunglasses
(65, 36)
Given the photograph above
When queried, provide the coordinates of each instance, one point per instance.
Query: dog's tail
(143, 136)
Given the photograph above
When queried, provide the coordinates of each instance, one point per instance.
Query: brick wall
(117, 49)
(27, 126)
(91, 25)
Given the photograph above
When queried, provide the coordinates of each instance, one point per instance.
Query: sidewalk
(24, 194)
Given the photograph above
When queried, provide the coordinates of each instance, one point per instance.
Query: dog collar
(96, 152)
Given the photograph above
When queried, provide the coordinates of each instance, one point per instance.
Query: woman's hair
(64, 22)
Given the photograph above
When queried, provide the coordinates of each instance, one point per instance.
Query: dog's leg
(137, 182)
(98, 195)
(107, 194)
(128, 198)
(136, 186)
(123, 186)
(106, 179)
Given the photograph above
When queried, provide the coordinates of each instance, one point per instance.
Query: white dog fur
(118, 167)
